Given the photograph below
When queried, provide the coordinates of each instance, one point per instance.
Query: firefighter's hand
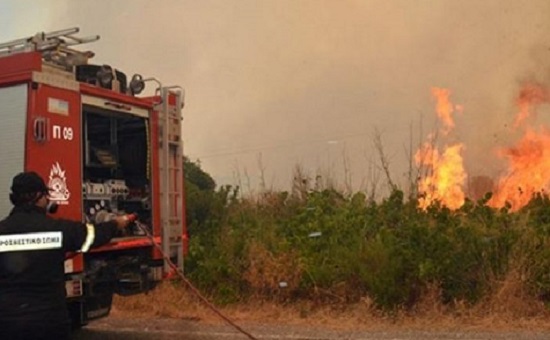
(122, 221)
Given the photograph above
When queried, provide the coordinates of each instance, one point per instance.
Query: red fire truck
(103, 150)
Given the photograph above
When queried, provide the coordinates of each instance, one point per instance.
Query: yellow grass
(509, 307)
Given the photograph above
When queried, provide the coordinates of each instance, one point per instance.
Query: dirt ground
(165, 328)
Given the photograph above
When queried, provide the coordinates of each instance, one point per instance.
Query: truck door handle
(39, 129)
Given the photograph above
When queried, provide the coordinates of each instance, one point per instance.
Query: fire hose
(134, 218)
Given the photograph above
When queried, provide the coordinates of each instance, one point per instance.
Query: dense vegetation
(324, 246)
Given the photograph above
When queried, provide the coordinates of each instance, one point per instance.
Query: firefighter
(32, 253)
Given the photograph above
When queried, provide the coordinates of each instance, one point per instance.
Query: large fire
(445, 175)
(528, 172)
(528, 161)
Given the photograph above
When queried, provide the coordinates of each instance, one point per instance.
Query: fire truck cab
(103, 151)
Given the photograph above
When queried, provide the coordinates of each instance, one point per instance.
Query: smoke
(308, 81)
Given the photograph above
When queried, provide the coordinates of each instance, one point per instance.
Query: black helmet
(25, 186)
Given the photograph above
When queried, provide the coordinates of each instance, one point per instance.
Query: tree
(196, 176)
(200, 196)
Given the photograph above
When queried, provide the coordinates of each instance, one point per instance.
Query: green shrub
(327, 246)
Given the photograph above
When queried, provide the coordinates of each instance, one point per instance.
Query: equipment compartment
(116, 169)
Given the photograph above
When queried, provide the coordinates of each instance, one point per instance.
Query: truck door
(54, 144)
(13, 109)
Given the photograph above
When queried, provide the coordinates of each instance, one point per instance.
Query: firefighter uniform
(32, 253)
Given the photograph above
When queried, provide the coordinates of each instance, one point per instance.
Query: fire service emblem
(58, 185)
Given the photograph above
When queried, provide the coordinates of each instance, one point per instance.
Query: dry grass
(268, 271)
(512, 300)
(509, 307)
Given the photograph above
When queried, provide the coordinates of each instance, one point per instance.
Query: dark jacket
(32, 252)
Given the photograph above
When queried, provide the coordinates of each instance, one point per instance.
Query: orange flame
(529, 161)
(445, 177)
(529, 96)
(446, 181)
(444, 108)
(528, 173)
(528, 170)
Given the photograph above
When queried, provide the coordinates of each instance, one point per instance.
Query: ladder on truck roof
(54, 47)
(171, 173)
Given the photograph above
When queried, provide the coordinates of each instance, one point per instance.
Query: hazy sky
(307, 82)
